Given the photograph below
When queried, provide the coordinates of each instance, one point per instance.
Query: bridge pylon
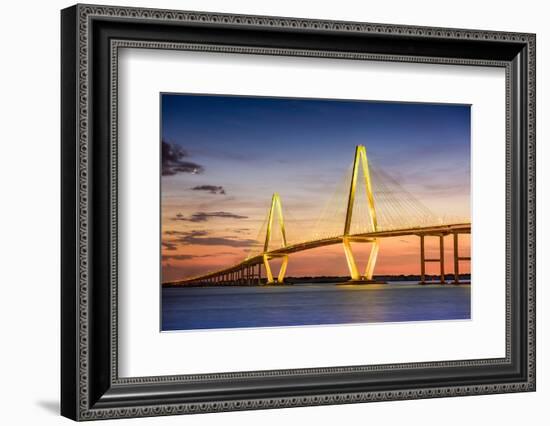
(360, 161)
(275, 209)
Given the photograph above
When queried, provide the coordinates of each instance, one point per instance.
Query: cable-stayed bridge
(367, 206)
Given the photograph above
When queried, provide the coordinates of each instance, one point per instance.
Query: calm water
(310, 304)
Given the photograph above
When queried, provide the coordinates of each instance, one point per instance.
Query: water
(310, 304)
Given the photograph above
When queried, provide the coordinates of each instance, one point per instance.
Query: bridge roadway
(244, 271)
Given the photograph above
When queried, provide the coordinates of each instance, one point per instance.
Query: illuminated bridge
(388, 211)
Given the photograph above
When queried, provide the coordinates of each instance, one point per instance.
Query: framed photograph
(263, 212)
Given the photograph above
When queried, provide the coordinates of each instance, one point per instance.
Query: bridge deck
(436, 230)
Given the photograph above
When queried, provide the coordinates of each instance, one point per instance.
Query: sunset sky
(224, 156)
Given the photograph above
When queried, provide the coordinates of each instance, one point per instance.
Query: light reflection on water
(311, 304)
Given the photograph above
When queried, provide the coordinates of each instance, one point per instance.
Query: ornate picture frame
(91, 37)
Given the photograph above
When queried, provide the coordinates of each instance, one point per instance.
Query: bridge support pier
(441, 259)
(268, 272)
(367, 277)
(259, 273)
(457, 258)
(245, 274)
(422, 261)
(455, 253)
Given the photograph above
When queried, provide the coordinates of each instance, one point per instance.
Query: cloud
(212, 189)
(204, 216)
(167, 245)
(239, 230)
(203, 238)
(178, 256)
(191, 256)
(194, 233)
(173, 161)
(220, 241)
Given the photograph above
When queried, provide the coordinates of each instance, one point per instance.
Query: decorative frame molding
(91, 37)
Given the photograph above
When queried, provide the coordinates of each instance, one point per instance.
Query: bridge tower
(360, 161)
(275, 209)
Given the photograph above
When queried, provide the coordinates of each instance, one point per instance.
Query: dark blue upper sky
(314, 128)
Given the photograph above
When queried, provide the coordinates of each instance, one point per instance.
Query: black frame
(90, 386)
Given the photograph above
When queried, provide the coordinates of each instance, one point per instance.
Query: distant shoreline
(334, 279)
